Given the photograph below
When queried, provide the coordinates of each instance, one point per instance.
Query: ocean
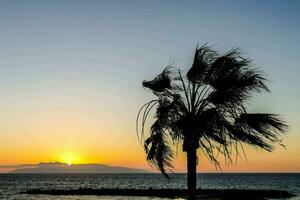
(12, 184)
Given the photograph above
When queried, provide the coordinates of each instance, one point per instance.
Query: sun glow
(69, 158)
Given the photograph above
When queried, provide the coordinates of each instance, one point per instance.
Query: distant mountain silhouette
(77, 168)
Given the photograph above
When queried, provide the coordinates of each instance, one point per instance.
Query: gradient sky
(71, 72)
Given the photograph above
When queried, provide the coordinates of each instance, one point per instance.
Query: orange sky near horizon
(89, 140)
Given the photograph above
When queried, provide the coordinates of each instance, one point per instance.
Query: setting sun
(69, 158)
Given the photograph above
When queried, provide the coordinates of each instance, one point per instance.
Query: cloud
(41, 164)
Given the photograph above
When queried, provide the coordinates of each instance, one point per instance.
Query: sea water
(11, 185)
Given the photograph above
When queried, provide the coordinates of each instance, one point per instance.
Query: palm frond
(236, 133)
(234, 88)
(201, 65)
(159, 153)
(266, 126)
(160, 82)
(144, 110)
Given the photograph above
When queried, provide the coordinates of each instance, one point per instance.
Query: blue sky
(91, 55)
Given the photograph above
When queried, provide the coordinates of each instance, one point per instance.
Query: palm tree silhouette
(205, 109)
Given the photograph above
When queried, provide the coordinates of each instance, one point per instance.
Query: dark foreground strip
(169, 193)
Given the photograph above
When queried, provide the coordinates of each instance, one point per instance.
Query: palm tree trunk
(192, 173)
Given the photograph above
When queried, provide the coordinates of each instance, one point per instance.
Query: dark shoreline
(226, 194)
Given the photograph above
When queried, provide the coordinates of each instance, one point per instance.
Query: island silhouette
(57, 167)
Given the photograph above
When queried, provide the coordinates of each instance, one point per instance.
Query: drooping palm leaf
(159, 153)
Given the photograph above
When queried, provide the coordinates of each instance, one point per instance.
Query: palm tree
(205, 109)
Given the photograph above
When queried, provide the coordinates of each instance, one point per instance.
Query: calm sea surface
(12, 184)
